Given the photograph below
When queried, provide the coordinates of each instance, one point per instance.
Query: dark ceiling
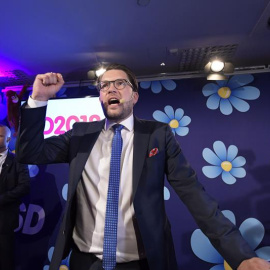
(75, 36)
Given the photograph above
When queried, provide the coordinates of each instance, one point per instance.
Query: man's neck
(109, 122)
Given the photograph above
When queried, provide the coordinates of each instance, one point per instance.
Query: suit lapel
(141, 140)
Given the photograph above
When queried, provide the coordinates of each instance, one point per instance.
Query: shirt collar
(3, 154)
(127, 123)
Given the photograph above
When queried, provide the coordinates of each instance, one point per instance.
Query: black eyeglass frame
(127, 82)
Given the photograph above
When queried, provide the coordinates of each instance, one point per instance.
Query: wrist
(39, 98)
(33, 103)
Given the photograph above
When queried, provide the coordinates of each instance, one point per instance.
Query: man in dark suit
(149, 152)
(14, 184)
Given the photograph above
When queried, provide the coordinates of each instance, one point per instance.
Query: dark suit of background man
(14, 184)
(149, 152)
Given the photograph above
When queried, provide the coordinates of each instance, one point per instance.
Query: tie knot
(118, 127)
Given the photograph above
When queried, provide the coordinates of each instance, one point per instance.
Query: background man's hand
(254, 264)
(46, 86)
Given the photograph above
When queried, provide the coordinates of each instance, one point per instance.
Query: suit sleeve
(22, 187)
(31, 147)
(224, 236)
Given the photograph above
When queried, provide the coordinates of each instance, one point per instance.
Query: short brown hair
(130, 74)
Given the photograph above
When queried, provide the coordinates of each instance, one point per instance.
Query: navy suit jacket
(14, 184)
(153, 226)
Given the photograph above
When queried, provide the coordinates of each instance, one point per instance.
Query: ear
(135, 96)
(8, 139)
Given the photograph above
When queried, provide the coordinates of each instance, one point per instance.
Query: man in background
(14, 184)
(142, 239)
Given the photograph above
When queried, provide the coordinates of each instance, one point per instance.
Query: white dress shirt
(92, 197)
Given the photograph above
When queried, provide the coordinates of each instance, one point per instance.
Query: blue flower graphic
(64, 264)
(166, 193)
(227, 94)
(224, 162)
(33, 170)
(252, 231)
(156, 86)
(65, 191)
(177, 121)
(61, 92)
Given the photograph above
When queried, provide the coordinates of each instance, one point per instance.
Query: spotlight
(217, 66)
(218, 69)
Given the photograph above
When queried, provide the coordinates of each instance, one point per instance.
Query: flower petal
(217, 267)
(169, 111)
(229, 215)
(263, 253)
(161, 116)
(50, 253)
(253, 231)
(212, 171)
(222, 83)
(238, 172)
(210, 89)
(211, 157)
(33, 170)
(182, 131)
(156, 87)
(179, 113)
(228, 178)
(239, 80)
(232, 153)
(168, 84)
(225, 106)
(247, 92)
(220, 150)
(166, 193)
(238, 162)
(145, 85)
(203, 249)
(65, 191)
(213, 102)
(185, 121)
(239, 104)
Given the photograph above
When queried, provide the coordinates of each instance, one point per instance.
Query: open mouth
(113, 101)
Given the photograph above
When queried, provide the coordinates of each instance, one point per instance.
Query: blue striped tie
(111, 220)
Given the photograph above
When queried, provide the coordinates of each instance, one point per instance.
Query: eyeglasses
(119, 84)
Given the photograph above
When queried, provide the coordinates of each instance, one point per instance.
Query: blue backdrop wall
(223, 128)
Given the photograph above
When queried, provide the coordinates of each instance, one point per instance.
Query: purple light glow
(8, 74)
(8, 65)
(3, 112)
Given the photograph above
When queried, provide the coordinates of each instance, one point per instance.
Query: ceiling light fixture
(218, 69)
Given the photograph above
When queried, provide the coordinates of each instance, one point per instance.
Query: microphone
(122, 100)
